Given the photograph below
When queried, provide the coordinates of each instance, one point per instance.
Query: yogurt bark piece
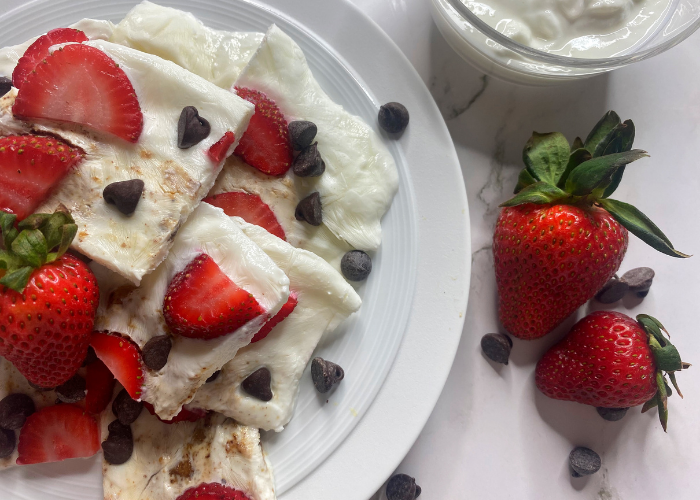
(175, 179)
(218, 56)
(324, 300)
(168, 459)
(137, 312)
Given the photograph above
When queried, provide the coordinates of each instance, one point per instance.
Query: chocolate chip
(14, 410)
(90, 357)
(402, 487)
(309, 163)
(5, 85)
(393, 117)
(356, 265)
(612, 414)
(8, 441)
(191, 128)
(73, 390)
(126, 409)
(325, 374)
(584, 461)
(309, 210)
(302, 133)
(612, 291)
(639, 280)
(124, 194)
(155, 352)
(119, 445)
(214, 376)
(257, 384)
(496, 347)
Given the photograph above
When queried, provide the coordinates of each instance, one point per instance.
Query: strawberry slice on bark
(202, 302)
(286, 310)
(100, 386)
(123, 359)
(250, 208)
(81, 84)
(30, 166)
(217, 151)
(265, 144)
(185, 415)
(57, 433)
(39, 50)
(213, 491)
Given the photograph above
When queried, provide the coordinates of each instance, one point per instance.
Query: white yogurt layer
(218, 56)
(175, 179)
(169, 459)
(137, 312)
(324, 298)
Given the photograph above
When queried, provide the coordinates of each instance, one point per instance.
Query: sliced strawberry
(250, 208)
(265, 144)
(123, 359)
(100, 386)
(202, 302)
(39, 50)
(213, 491)
(81, 84)
(30, 166)
(217, 151)
(57, 433)
(185, 415)
(286, 310)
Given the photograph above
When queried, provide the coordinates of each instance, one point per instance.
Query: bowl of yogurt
(541, 42)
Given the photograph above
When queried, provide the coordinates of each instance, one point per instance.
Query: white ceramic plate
(413, 302)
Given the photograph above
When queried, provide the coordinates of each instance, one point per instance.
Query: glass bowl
(495, 54)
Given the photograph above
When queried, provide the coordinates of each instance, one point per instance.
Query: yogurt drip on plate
(575, 28)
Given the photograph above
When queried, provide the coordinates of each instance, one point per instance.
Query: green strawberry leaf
(53, 228)
(576, 157)
(546, 156)
(524, 180)
(604, 126)
(67, 233)
(653, 326)
(17, 280)
(577, 144)
(662, 399)
(539, 193)
(9, 261)
(639, 224)
(34, 221)
(652, 403)
(7, 225)
(621, 141)
(672, 376)
(667, 358)
(597, 173)
(30, 245)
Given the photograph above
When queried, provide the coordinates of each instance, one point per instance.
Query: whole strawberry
(561, 238)
(609, 360)
(48, 298)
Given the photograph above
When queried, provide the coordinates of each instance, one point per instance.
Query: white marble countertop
(492, 435)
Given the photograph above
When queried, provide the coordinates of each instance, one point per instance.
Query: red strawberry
(39, 50)
(286, 310)
(609, 360)
(561, 238)
(100, 386)
(123, 359)
(30, 166)
(81, 84)
(217, 151)
(265, 144)
(185, 415)
(202, 302)
(248, 207)
(213, 491)
(57, 433)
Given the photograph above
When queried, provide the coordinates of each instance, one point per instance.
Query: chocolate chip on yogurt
(612, 414)
(402, 487)
(309, 163)
(5, 85)
(258, 384)
(309, 210)
(356, 265)
(191, 128)
(126, 409)
(73, 390)
(612, 291)
(8, 441)
(584, 461)
(155, 352)
(125, 195)
(119, 445)
(393, 117)
(302, 133)
(14, 410)
(325, 374)
(639, 280)
(496, 347)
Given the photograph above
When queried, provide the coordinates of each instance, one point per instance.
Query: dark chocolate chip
(125, 195)
(302, 134)
(356, 265)
(257, 384)
(116, 428)
(8, 441)
(639, 280)
(126, 409)
(584, 461)
(214, 376)
(155, 352)
(402, 487)
(325, 374)
(14, 410)
(309, 163)
(119, 445)
(393, 117)
(612, 291)
(90, 357)
(612, 414)
(496, 347)
(191, 128)
(309, 210)
(5, 85)
(73, 390)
